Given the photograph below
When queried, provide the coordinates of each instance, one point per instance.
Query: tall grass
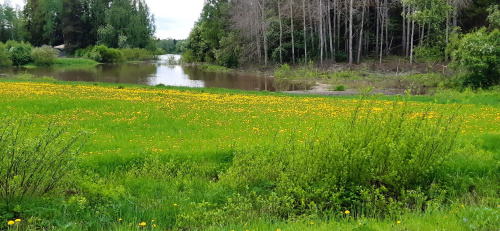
(219, 159)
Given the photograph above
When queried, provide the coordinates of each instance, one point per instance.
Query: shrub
(339, 88)
(5, 60)
(34, 161)
(188, 57)
(20, 52)
(384, 150)
(44, 56)
(109, 55)
(229, 53)
(479, 54)
(137, 54)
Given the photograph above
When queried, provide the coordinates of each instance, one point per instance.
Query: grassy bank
(176, 155)
(68, 63)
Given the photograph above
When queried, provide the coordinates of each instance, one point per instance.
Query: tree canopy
(79, 23)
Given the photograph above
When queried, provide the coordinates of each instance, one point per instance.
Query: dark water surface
(151, 73)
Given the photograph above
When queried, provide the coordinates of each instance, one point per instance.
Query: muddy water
(151, 73)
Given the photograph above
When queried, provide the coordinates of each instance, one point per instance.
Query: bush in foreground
(379, 159)
(34, 161)
(44, 55)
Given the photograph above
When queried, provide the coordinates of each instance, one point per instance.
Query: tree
(479, 54)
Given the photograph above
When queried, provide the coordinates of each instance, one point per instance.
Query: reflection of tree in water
(228, 80)
(127, 73)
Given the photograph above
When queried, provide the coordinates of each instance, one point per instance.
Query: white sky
(174, 18)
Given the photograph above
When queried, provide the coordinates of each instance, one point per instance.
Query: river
(150, 73)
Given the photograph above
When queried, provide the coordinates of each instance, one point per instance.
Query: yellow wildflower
(399, 222)
(360, 223)
(347, 212)
(10, 223)
(142, 224)
(18, 220)
(175, 205)
(120, 219)
(152, 220)
(312, 223)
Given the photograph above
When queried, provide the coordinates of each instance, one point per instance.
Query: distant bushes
(137, 54)
(5, 60)
(44, 56)
(20, 52)
(104, 54)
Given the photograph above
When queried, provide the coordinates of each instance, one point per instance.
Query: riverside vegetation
(115, 157)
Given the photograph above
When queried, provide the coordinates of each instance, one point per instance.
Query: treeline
(172, 46)
(79, 23)
(292, 31)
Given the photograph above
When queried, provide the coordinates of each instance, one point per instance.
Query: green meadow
(79, 156)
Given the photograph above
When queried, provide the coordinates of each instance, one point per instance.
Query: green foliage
(172, 46)
(20, 52)
(229, 53)
(107, 36)
(383, 152)
(214, 68)
(339, 88)
(137, 54)
(494, 16)
(44, 56)
(429, 53)
(5, 60)
(75, 62)
(109, 55)
(33, 160)
(104, 54)
(479, 54)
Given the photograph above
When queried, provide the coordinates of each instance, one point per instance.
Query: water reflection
(151, 73)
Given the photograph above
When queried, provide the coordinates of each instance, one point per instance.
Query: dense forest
(235, 32)
(79, 23)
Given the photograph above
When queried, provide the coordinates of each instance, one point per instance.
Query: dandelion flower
(18, 220)
(278, 230)
(175, 205)
(10, 223)
(154, 226)
(152, 220)
(360, 223)
(347, 212)
(142, 224)
(399, 222)
(312, 223)
(120, 219)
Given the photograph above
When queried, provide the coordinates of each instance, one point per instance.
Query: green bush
(479, 54)
(387, 151)
(339, 88)
(20, 52)
(137, 54)
(44, 56)
(229, 53)
(34, 161)
(101, 54)
(109, 55)
(188, 57)
(5, 60)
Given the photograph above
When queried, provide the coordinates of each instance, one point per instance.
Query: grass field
(174, 158)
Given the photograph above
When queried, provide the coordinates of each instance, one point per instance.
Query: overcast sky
(174, 18)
